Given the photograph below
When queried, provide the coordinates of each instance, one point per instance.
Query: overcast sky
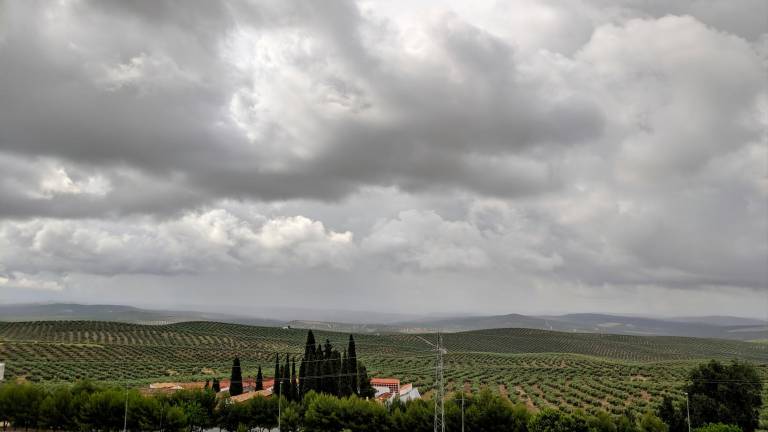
(478, 157)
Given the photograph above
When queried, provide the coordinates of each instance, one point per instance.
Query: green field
(539, 368)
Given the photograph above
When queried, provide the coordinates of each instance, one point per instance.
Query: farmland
(535, 367)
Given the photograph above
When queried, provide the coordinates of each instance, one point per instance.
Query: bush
(718, 427)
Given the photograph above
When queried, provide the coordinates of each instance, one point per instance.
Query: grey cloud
(163, 108)
(583, 147)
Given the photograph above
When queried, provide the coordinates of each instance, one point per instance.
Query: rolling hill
(735, 328)
(537, 367)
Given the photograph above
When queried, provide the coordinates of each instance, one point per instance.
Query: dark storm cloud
(149, 95)
(586, 148)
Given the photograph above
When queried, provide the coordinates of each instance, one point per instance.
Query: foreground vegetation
(88, 407)
(538, 369)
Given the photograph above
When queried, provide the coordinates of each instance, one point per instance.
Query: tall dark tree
(725, 394)
(345, 386)
(216, 386)
(286, 376)
(352, 365)
(276, 389)
(236, 378)
(259, 380)
(303, 387)
(305, 369)
(364, 382)
(294, 383)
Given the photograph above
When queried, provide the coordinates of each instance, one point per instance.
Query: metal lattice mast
(439, 387)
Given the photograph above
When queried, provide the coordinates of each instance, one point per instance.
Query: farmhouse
(388, 389)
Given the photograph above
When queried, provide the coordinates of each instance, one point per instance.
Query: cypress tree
(366, 390)
(287, 378)
(236, 379)
(259, 380)
(294, 386)
(207, 384)
(303, 377)
(310, 345)
(352, 366)
(336, 367)
(327, 369)
(216, 386)
(306, 368)
(344, 387)
(318, 372)
(276, 386)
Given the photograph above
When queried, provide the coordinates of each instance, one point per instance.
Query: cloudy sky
(478, 157)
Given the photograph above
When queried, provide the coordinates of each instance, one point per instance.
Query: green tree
(306, 369)
(294, 382)
(290, 420)
(286, 378)
(216, 386)
(259, 380)
(548, 420)
(263, 413)
(364, 382)
(489, 412)
(672, 414)
(325, 413)
(103, 410)
(729, 394)
(650, 423)
(236, 378)
(352, 365)
(22, 405)
(345, 380)
(718, 427)
(57, 410)
(277, 387)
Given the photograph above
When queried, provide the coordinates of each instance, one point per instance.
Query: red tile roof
(384, 381)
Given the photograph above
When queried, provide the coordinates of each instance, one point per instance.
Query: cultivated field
(536, 367)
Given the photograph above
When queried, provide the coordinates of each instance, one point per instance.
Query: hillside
(703, 327)
(116, 313)
(537, 367)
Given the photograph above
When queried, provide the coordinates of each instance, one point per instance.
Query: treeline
(322, 369)
(88, 407)
(717, 393)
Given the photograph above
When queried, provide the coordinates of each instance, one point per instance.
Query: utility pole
(462, 410)
(439, 387)
(688, 410)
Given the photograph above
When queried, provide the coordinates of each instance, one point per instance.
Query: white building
(409, 392)
(403, 392)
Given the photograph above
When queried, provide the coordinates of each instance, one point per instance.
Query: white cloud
(196, 242)
(19, 280)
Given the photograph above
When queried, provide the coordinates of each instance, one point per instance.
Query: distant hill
(705, 327)
(722, 327)
(117, 313)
